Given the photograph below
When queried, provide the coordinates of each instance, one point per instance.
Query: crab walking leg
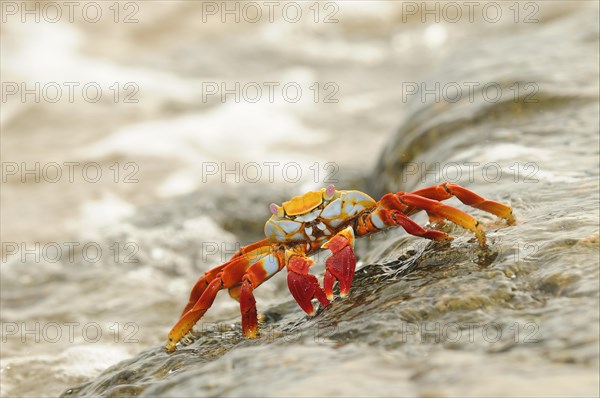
(447, 190)
(240, 261)
(383, 217)
(248, 309)
(201, 286)
(258, 272)
(436, 209)
(190, 318)
(245, 254)
(256, 252)
(304, 286)
(204, 292)
(341, 264)
(261, 244)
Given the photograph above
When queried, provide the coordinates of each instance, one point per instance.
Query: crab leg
(447, 190)
(204, 292)
(304, 286)
(402, 201)
(201, 286)
(246, 253)
(258, 272)
(187, 321)
(251, 247)
(341, 264)
(383, 217)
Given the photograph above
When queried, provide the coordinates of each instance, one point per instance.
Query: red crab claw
(342, 263)
(303, 286)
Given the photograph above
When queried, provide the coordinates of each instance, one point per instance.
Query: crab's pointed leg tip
(251, 331)
(170, 347)
(251, 334)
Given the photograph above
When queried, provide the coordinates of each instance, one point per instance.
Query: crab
(327, 219)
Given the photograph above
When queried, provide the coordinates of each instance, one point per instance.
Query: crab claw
(303, 286)
(341, 264)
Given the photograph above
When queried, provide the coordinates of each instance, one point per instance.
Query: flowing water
(519, 318)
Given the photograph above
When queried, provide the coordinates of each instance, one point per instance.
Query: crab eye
(274, 208)
(330, 190)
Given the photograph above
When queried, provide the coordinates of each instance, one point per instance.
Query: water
(520, 318)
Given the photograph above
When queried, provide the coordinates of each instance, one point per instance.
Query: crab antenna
(273, 207)
(330, 190)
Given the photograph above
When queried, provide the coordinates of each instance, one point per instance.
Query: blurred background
(142, 142)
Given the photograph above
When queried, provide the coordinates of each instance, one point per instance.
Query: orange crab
(326, 219)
